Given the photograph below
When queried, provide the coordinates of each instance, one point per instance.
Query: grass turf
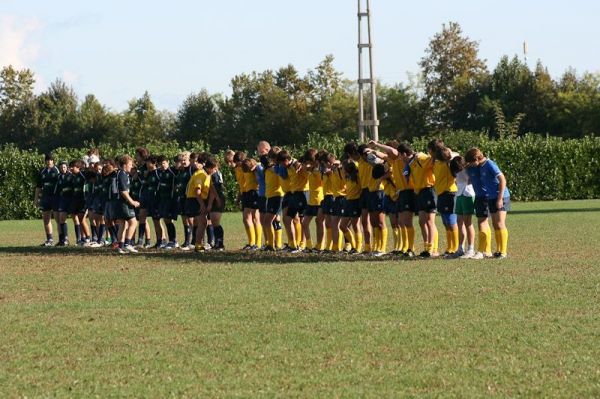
(83, 323)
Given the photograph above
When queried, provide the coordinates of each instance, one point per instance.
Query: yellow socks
(258, 237)
(384, 239)
(376, 239)
(411, 238)
(397, 239)
(449, 241)
(359, 242)
(455, 240)
(485, 241)
(404, 235)
(278, 239)
(436, 240)
(502, 244)
(298, 227)
(250, 234)
(309, 244)
(350, 238)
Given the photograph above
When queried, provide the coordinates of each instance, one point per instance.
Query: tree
(142, 123)
(400, 112)
(197, 117)
(16, 97)
(95, 122)
(452, 74)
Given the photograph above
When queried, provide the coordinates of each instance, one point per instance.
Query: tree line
(454, 91)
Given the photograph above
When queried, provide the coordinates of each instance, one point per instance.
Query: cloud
(17, 45)
(70, 77)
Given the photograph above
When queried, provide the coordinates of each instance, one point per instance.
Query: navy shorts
(274, 205)
(219, 206)
(98, 205)
(481, 207)
(445, 203)
(338, 208)
(407, 201)
(376, 201)
(390, 207)
(64, 203)
(426, 200)
(167, 208)
(77, 205)
(352, 208)
(364, 199)
(121, 210)
(297, 204)
(191, 207)
(250, 199)
(152, 208)
(285, 202)
(181, 206)
(262, 204)
(89, 201)
(108, 210)
(312, 210)
(327, 205)
(46, 202)
(505, 208)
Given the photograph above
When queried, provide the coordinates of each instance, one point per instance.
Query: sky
(119, 49)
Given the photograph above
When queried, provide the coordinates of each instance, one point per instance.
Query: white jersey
(464, 187)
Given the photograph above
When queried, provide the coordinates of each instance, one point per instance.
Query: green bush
(536, 167)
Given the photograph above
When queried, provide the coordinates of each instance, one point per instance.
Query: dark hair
(151, 160)
(310, 155)
(457, 165)
(351, 170)
(211, 163)
(142, 152)
(273, 153)
(474, 154)
(283, 155)
(248, 164)
(161, 159)
(264, 161)
(435, 144)
(49, 157)
(239, 156)
(203, 157)
(351, 149)
(405, 148)
(392, 143)
(378, 171)
(442, 154)
(77, 164)
(362, 149)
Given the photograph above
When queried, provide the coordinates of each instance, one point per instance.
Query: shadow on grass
(550, 211)
(205, 257)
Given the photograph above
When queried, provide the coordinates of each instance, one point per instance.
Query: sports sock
(187, 233)
(298, 230)
(48, 236)
(279, 238)
(251, 235)
(504, 241)
(456, 239)
(142, 232)
(210, 234)
(65, 229)
(376, 239)
(77, 229)
(482, 244)
(404, 233)
(258, 235)
(359, 242)
(219, 236)
(194, 231)
(410, 231)
(171, 232)
(384, 239)
(309, 244)
(328, 239)
(436, 240)
(101, 232)
(498, 239)
(449, 241)
(488, 242)
(397, 239)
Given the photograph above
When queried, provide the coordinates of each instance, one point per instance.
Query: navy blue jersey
(135, 187)
(218, 183)
(64, 185)
(166, 186)
(181, 181)
(79, 183)
(150, 186)
(47, 180)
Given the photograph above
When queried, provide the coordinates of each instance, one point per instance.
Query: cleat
(268, 249)
(499, 255)
(254, 248)
(294, 251)
(409, 254)
(425, 254)
(121, 251)
(185, 248)
(467, 255)
(247, 247)
(377, 254)
(478, 256)
(147, 245)
(48, 243)
(131, 249)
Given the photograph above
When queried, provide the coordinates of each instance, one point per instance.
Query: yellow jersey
(444, 181)
(299, 180)
(315, 188)
(338, 183)
(398, 176)
(272, 184)
(365, 171)
(327, 187)
(374, 185)
(199, 180)
(239, 177)
(421, 170)
(353, 189)
(250, 182)
(389, 189)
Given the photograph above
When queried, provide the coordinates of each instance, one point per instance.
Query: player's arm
(130, 201)
(391, 152)
(501, 188)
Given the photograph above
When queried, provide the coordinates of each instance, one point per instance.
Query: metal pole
(373, 81)
(361, 109)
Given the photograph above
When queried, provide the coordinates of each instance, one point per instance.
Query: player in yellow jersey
(288, 170)
(376, 214)
(445, 189)
(327, 205)
(198, 188)
(315, 197)
(365, 171)
(250, 204)
(350, 223)
(419, 167)
(338, 189)
(274, 194)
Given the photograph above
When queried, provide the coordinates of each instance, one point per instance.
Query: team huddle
(347, 199)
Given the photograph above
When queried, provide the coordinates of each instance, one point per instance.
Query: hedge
(536, 167)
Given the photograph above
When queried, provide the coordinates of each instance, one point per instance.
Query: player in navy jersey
(77, 207)
(62, 201)
(167, 204)
(123, 206)
(216, 206)
(44, 195)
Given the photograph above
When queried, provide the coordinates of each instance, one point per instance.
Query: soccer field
(80, 322)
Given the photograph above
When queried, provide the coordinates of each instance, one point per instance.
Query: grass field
(77, 323)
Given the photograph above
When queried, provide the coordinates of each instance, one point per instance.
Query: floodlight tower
(372, 124)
